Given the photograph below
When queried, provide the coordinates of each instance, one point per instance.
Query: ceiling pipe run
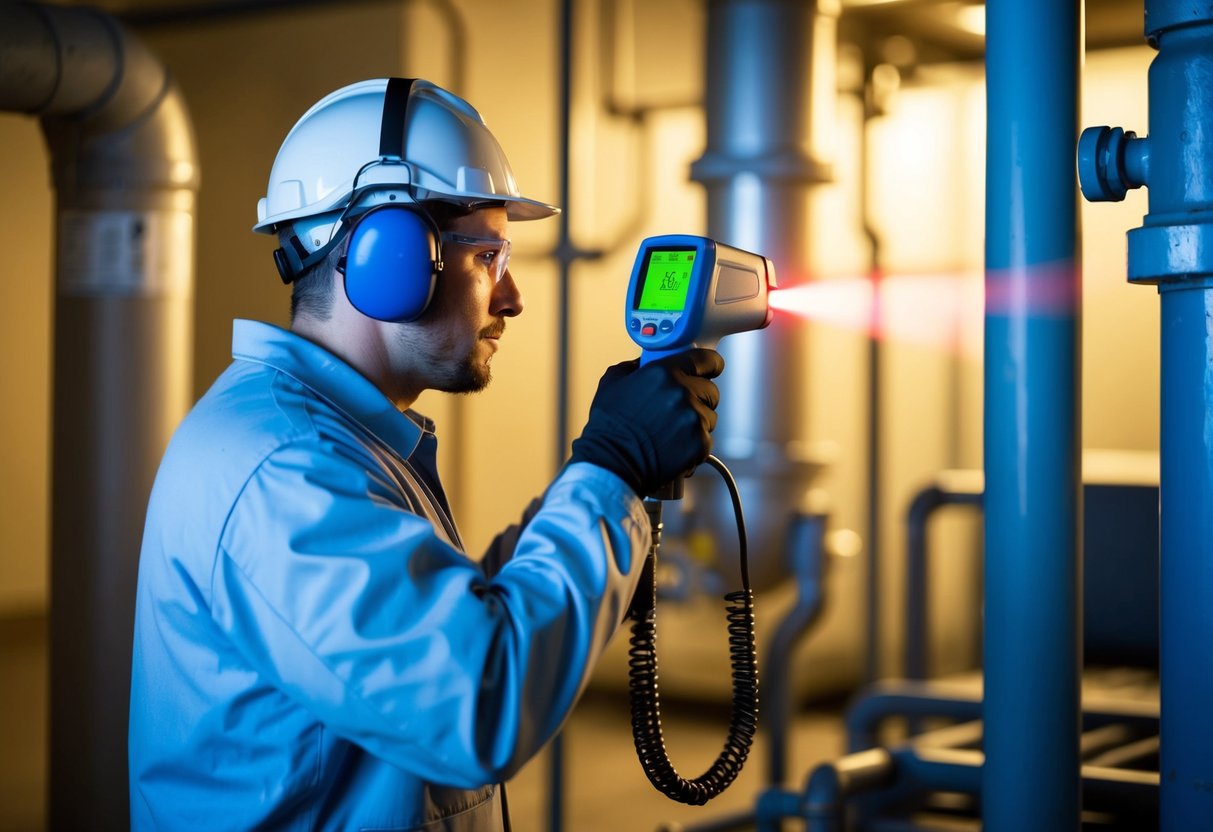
(125, 175)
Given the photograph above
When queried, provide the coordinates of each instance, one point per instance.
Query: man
(313, 650)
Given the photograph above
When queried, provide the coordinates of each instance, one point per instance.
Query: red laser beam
(946, 311)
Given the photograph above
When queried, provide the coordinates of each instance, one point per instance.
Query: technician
(313, 648)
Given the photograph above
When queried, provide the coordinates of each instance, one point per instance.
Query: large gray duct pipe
(757, 170)
(125, 176)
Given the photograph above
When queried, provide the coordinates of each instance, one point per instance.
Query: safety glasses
(493, 253)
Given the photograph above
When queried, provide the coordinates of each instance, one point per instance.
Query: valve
(1111, 162)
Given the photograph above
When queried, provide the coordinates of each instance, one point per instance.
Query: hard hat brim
(517, 209)
(520, 209)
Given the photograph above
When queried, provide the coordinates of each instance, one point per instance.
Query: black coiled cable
(642, 678)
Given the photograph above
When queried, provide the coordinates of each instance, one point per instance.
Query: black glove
(652, 424)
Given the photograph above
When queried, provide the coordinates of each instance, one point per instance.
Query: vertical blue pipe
(1032, 605)
(1186, 579)
(1174, 249)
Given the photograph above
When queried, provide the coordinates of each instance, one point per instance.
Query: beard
(467, 376)
(458, 369)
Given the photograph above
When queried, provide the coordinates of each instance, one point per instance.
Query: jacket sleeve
(353, 606)
(501, 549)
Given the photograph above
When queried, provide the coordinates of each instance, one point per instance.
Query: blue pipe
(1174, 249)
(955, 489)
(1031, 709)
(1186, 539)
(806, 558)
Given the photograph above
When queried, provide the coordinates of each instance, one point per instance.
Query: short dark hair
(312, 291)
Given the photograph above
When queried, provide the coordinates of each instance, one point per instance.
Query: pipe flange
(1162, 15)
(1170, 253)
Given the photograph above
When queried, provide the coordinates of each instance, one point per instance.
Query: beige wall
(25, 235)
(246, 81)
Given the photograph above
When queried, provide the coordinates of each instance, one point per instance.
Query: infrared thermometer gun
(689, 291)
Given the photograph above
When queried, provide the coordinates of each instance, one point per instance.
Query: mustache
(493, 330)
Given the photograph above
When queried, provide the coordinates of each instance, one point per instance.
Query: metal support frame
(1174, 249)
(872, 787)
(1032, 635)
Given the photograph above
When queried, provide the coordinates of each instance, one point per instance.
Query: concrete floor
(605, 787)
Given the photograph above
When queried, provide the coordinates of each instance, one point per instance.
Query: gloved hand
(652, 424)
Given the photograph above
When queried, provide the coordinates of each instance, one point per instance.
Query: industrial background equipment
(841, 139)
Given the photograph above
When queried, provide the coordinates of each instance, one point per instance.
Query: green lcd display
(667, 280)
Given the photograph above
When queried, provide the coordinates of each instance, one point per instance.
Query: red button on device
(648, 329)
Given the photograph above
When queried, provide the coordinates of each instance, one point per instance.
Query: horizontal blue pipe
(1030, 779)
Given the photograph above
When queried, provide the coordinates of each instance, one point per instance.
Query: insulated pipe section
(757, 170)
(1174, 250)
(1033, 638)
(125, 175)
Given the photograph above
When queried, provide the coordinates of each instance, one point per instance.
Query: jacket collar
(331, 379)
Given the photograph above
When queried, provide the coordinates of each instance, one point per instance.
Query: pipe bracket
(779, 166)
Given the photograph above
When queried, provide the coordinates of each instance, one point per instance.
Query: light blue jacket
(313, 650)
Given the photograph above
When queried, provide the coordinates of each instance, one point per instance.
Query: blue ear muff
(392, 263)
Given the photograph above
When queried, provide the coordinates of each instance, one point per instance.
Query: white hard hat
(429, 143)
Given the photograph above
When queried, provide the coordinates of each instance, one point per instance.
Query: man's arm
(331, 589)
(502, 546)
(356, 609)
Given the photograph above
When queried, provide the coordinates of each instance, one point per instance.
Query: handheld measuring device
(685, 292)
(688, 291)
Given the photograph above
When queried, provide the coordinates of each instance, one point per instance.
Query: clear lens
(495, 251)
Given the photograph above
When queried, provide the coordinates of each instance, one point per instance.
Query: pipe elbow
(74, 63)
(832, 783)
(111, 113)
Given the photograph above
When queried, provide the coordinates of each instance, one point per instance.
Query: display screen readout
(667, 280)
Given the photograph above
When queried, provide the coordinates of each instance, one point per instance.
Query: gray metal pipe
(757, 170)
(125, 175)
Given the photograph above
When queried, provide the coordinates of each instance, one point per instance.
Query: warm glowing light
(934, 310)
(971, 18)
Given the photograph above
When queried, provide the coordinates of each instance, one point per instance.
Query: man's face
(451, 347)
